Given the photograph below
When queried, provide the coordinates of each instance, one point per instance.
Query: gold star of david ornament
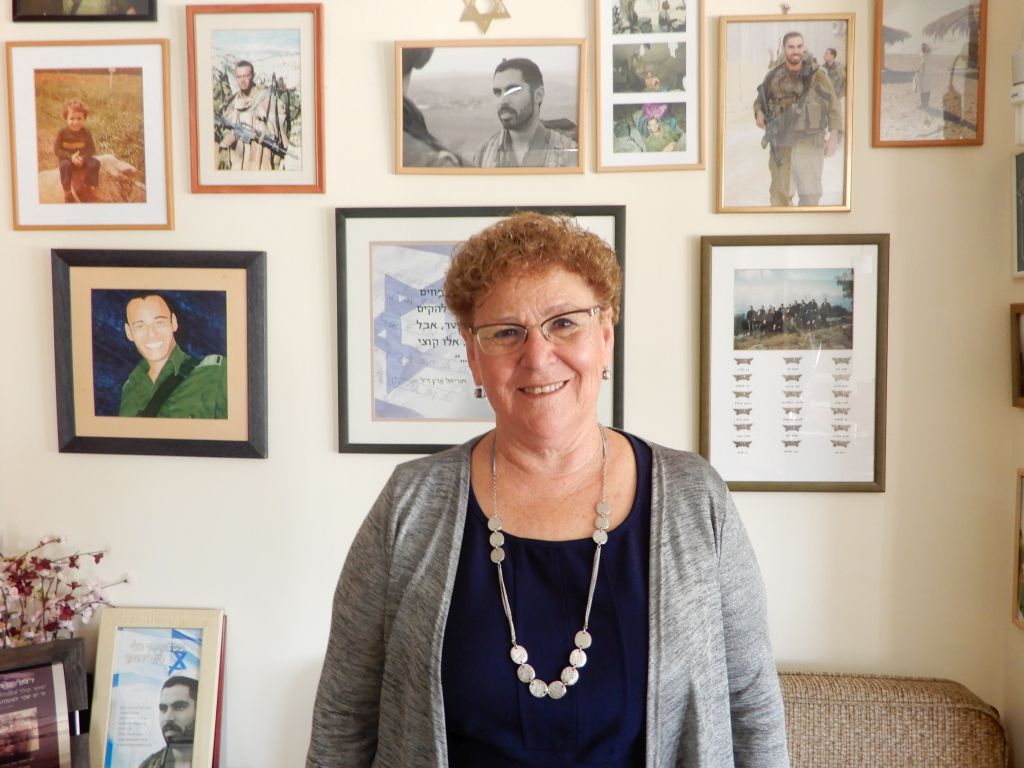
(483, 20)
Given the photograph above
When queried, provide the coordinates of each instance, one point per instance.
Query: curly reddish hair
(74, 105)
(530, 242)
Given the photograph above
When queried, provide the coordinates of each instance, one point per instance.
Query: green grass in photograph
(115, 119)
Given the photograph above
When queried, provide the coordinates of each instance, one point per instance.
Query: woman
(620, 565)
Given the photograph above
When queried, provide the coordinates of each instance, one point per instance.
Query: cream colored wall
(912, 581)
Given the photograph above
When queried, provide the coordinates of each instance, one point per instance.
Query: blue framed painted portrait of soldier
(160, 352)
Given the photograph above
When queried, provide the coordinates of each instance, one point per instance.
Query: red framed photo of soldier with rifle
(255, 97)
(785, 101)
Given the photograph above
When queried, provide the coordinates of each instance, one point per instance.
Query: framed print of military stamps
(793, 361)
(1017, 353)
(785, 110)
(255, 95)
(161, 352)
(159, 687)
(929, 73)
(42, 691)
(650, 84)
(501, 106)
(90, 134)
(84, 10)
(404, 384)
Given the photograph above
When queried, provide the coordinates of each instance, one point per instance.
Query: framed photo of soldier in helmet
(785, 105)
(255, 97)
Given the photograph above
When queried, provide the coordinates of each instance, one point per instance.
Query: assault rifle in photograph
(771, 126)
(248, 134)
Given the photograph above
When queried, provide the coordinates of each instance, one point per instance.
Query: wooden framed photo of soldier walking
(90, 134)
(255, 95)
(929, 73)
(793, 361)
(490, 107)
(785, 113)
(161, 352)
(84, 10)
(650, 92)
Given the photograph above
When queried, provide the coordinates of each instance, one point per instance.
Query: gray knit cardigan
(713, 698)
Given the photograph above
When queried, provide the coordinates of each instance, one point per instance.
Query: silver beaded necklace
(556, 689)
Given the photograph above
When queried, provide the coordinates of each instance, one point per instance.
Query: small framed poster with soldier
(255, 106)
(785, 101)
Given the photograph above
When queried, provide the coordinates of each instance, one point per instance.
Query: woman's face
(542, 391)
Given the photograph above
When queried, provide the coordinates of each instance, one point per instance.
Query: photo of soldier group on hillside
(793, 309)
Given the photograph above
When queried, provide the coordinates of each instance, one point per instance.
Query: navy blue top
(491, 718)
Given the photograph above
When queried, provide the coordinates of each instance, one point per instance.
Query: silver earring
(606, 373)
(479, 393)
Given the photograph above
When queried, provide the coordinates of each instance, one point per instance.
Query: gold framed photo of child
(90, 134)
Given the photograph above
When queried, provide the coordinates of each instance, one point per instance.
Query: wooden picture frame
(793, 397)
(112, 171)
(448, 94)
(1018, 228)
(152, 657)
(1017, 354)
(1017, 600)
(404, 384)
(800, 159)
(270, 138)
(44, 692)
(65, 10)
(216, 302)
(929, 73)
(650, 72)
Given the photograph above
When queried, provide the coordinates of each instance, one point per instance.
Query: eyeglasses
(566, 328)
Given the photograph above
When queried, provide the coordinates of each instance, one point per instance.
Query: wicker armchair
(864, 721)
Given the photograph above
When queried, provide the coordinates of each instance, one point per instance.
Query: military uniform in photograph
(801, 109)
(267, 114)
(201, 394)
